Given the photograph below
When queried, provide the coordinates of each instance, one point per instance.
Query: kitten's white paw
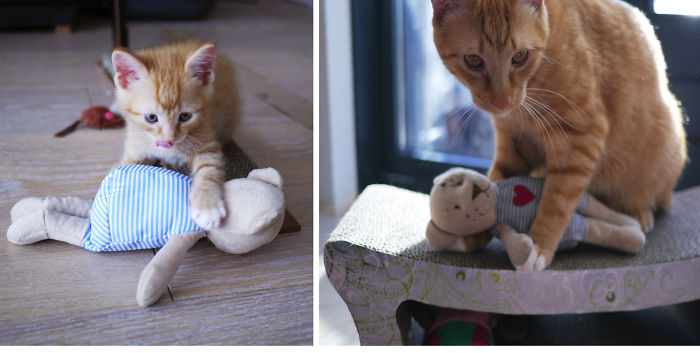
(208, 218)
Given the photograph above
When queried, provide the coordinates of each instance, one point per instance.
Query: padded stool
(377, 258)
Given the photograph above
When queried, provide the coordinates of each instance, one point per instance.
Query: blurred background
(392, 114)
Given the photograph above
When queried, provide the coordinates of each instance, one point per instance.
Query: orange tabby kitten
(180, 103)
(577, 88)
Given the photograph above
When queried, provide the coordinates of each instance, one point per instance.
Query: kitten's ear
(128, 69)
(200, 65)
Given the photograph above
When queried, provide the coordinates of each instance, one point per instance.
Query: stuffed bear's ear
(268, 175)
(447, 174)
(128, 68)
(200, 65)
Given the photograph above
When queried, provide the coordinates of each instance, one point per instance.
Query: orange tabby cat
(180, 102)
(577, 88)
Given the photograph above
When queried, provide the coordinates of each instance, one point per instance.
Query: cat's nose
(501, 103)
(166, 144)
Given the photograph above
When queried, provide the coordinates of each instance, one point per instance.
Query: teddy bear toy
(146, 207)
(467, 210)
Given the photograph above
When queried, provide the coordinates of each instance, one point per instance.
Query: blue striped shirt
(516, 206)
(139, 207)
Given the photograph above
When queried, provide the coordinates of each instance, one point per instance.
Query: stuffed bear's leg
(628, 238)
(66, 228)
(158, 273)
(26, 206)
(45, 224)
(70, 205)
(596, 209)
(28, 228)
(73, 206)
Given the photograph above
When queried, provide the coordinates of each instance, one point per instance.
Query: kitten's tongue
(166, 144)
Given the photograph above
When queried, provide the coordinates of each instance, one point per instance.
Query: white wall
(337, 153)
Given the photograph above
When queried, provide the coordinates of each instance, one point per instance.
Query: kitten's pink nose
(166, 144)
(502, 103)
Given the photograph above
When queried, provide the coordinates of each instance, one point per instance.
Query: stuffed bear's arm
(467, 243)
(438, 237)
(161, 270)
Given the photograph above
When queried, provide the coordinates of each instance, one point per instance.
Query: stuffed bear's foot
(26, 206)
(28, 229)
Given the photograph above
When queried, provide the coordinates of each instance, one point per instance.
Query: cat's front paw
(207, 215)
(536, 260)
(496, 173)
(646, 219)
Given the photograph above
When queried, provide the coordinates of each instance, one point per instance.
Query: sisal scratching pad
(238, 165)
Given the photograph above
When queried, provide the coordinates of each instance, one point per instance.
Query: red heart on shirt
(523, 195)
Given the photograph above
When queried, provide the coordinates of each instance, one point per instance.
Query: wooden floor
(55, 293)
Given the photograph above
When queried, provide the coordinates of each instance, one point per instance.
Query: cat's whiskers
(462, 124)
(580, 112)
(552, 114)
(552, 61)
(538, 119)
(465, 125)
(522, 122)
(452, 118)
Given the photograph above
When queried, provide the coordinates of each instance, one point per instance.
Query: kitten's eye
(151, 118)
(520, 57)
(185, 116)
(473, 61)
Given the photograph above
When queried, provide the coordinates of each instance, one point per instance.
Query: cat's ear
(200, 65)
(534, 4)
(128, 69)
(441, 8)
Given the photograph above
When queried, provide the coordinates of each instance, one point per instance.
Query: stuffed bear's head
(255, 212)
(463, 202)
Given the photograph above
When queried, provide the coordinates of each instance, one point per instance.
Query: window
(436, 118)
(677, 7)
(414, 120)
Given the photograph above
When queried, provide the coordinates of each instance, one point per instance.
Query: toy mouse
(98, 117)
(145, 207)
(467, 210)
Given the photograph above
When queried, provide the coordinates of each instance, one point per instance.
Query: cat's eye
(151, 118)
(473, 61)
(185, 116)
(520, 57)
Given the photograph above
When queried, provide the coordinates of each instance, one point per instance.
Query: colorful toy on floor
(460, 328)
(145, 207)
(467, 210)
(98, 117)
